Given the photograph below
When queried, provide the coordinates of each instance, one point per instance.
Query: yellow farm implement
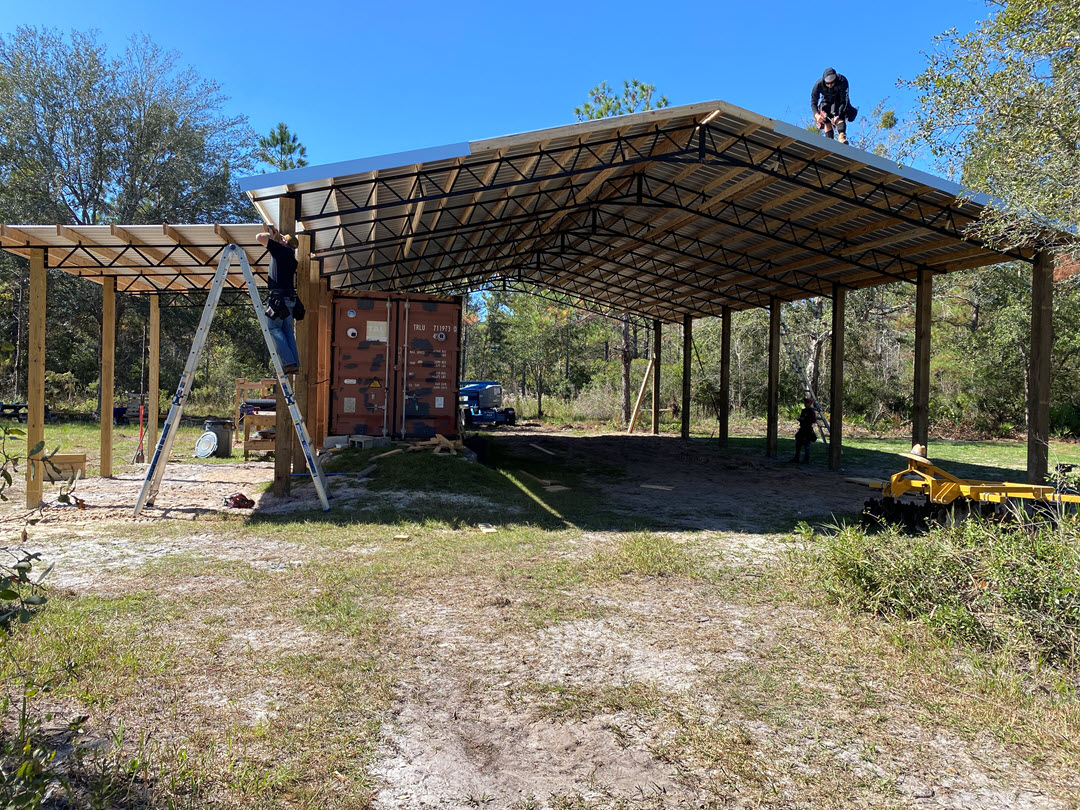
(943, 492)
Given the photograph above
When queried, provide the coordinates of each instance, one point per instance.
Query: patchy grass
(306, 660)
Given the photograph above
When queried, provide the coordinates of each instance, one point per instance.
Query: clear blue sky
(358, 79)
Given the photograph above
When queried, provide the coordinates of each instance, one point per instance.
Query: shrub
(999, 587)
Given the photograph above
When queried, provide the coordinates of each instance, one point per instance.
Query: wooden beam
(773, 417)
(920, 413)
(282, 421)
(836, 389)
(153, 391)
(194, 252)
(688, 350)
(35, 388)
(108, 368)
(657, 334)
(162, 258)
(641, 395)
(304, 341)
(1042, 341)
(725, 376)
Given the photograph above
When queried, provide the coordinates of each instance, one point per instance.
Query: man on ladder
(281, 294)
(168, 433)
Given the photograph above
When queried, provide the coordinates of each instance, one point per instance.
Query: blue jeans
(281, 330)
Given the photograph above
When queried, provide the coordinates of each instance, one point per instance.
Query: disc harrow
(948, 499)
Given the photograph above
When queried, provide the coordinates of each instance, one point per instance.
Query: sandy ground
(471, 725)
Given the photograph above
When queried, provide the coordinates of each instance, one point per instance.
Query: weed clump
(1012, 589)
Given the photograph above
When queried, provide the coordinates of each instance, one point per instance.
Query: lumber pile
(438, 445)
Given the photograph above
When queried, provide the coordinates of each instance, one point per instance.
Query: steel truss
(571, 206)
(845, 187)
(160, 271)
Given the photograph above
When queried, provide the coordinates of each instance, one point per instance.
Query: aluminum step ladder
(161, 455)
(800, 372)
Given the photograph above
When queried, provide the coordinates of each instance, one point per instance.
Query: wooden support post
(773, 416)
(836, 388)
(35, 389)
(640, 396)
(153, 391)
(1042, 340)
(724, 414)
(282, 421)
(303, 343)
(920, 414)
(687, 351)
(656, 379)
(108, 370)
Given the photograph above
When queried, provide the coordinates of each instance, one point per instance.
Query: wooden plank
(836, 389)
(640, 396)
(541, 449)
(153, 391)
(108, 372)
(544, 482)
(35, 394)
(688, 351)
(920, 414)
(773, 408)
(1042, 336)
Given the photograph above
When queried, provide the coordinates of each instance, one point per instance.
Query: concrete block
(331, 442)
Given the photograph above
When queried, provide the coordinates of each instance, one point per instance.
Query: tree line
(91, 138)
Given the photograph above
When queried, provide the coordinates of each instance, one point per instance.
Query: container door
(362, 379)
(430, 341)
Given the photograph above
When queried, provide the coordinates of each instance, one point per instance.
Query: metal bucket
(223, 430)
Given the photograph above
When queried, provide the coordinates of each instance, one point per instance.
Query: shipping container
(394, 365)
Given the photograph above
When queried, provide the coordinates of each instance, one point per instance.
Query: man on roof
(830, 103)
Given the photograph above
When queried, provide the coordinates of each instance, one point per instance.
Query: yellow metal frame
(928, 479)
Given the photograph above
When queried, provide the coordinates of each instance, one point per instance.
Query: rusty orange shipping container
(394, 365)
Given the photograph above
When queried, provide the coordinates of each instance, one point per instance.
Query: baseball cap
(829, 75)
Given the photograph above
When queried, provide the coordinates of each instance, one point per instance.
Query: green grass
(1005, 588)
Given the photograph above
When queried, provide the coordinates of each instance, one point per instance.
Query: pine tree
(281, 149)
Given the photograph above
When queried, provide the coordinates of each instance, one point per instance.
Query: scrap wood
(389, 453)
(541, 449)
(367, 471)
(544, 482)
(657, 486)
(487, 528)
(401, 537)
(556, 488)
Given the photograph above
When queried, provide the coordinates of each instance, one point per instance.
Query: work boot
(842, 137)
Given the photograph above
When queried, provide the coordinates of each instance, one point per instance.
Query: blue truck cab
(481, 403)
